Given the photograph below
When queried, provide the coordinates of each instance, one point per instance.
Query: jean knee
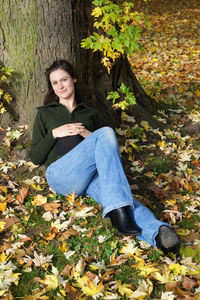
(109, 135)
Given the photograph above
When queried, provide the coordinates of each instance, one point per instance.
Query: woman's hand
(84, 132)
(69, 130)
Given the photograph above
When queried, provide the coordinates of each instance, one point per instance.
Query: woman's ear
(75, 80)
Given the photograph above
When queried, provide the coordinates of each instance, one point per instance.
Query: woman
(82, 157)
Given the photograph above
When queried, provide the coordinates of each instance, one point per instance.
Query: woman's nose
(60, 85)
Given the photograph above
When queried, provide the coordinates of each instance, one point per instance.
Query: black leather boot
(167, 240)
(123, 220)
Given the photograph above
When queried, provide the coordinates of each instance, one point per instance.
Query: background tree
(35, 33)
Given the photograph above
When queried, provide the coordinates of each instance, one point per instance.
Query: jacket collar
(54, 103)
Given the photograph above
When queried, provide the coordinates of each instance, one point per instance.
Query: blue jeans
(94, 168)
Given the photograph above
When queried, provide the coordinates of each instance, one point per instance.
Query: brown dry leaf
(9, 198)
(7, 296)
(90, 232)
(51, 234)
(160, 192)
(197, 297)
(9, 222)
(19, 253)
(66, 234)
(196, 163)
(22, 195)
(5, 176)
(170, 286)
(90, 275)
(191, 237)
(185, 184)
(107, 276)
(182, 294)
(3, 189)
(117, 261)
(28, 238)
(5, 247)
(72, 292)
(195, 186)
(67, 271)
(52, 206)
(188, 283)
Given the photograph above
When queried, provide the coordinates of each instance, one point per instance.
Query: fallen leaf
(3, 206)
(66, 234)
(188, 283)
(51, 282)
(51, 206)
(9, 222)
(88, 287)
(39, 200)
(117, 261)
(22, 195)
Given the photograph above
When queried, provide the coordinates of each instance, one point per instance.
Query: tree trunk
(35, 33)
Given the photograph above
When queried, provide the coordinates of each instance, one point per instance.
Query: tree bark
(35, 33)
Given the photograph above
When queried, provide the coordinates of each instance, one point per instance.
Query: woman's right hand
(67, 130)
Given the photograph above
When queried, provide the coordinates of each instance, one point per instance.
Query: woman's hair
(60, 64)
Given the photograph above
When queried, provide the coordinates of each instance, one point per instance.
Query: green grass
(159, 164)
(189, 223)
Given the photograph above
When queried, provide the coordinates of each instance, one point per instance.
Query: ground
(55, 247)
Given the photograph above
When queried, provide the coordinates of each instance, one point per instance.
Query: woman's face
(62, 84)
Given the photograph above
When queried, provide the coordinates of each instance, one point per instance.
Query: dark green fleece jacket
(53, 115)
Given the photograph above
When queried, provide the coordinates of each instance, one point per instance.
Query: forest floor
(55, 247)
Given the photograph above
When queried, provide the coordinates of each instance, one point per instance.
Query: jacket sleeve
(42, 141)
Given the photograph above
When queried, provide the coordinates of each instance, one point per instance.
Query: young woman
(82, 157)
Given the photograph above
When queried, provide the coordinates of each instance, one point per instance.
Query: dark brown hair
(59, 64)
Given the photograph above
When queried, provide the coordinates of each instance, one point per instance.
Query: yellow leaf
(71, 197)
(153, 49)
(2, 292)
(88, 287)
(64, 247)
(137, 148)
(124, 289)
(145, 288)
(182, 231)
(3, 78)
(129, 249)
(117, 261)
(3, 206)
(178, 269)
(198, 93)
(145, 270)
(165, 277)
(145, 124)
(96, 12)
(106, 62)
(17, 277)
(161, 144)
(3, 257)
(2, 225)
(2, 110)
(39, 200)
(63, 292)
(37, 187)
(3, 189)
(51, 281)
(149, 174)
